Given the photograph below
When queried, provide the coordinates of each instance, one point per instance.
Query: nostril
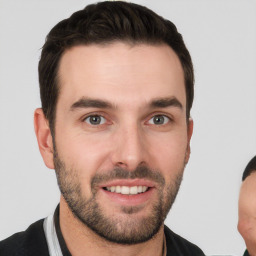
(121, 164)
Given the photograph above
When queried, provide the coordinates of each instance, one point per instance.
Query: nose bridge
(129, 150)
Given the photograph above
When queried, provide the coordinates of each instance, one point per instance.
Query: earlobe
(44, 137)
(189, 135)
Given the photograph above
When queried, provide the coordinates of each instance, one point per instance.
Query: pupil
(95, 120)
(158, 120)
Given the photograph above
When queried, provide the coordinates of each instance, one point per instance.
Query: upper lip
(129, 183)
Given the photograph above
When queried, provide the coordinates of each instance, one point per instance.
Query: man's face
(121, 137)
(247, 212)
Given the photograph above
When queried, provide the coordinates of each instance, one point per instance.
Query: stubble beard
(130, 229)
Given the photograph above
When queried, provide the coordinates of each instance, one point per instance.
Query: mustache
(120, 173)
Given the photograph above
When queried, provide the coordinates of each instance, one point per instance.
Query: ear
(44, 137)
(189, 135)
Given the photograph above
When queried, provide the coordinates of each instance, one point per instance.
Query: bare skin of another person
(247, 213)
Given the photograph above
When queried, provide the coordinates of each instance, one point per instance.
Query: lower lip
(129, 200)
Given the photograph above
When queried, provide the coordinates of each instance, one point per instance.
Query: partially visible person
(247, 208)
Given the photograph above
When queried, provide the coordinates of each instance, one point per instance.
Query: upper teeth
(125, 190)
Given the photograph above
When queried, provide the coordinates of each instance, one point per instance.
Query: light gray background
(221, 36)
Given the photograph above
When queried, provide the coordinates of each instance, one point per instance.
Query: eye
(95, 120)
(159, 120)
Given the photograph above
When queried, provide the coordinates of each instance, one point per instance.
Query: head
(116, 83)
(247, 206)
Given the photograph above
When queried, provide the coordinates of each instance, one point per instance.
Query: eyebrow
(90, 103)
(97, 103)
(166, 102)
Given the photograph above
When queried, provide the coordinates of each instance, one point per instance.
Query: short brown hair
(101, 23)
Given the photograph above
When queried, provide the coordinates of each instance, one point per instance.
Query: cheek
(81, 148)
(169, 153)
(82, 154)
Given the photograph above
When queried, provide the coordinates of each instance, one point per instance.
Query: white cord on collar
(51, 237)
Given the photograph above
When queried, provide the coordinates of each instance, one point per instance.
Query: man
(247, 208)
(116, 85)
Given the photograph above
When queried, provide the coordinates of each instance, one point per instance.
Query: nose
(129, 148)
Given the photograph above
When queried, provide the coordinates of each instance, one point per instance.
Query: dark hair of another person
(250, 168)
(104, 23)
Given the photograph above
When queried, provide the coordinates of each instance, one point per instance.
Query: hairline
(249, 169)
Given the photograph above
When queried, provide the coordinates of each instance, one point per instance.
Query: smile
(126, 190)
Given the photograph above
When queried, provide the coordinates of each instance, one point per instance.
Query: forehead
(120, 71)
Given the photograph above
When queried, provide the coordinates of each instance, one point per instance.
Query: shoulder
(176, 245)
(26, 243)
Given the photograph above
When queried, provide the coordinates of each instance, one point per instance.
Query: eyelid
(94, 113)
(168, 115)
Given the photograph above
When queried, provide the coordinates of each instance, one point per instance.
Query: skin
(129, 78)
(247, 213)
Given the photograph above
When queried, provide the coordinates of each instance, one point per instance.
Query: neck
(81, 240)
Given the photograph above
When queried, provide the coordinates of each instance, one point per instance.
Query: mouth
(129, 192)
(126, 190)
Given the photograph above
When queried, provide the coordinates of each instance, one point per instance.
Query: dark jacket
(32, 242)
